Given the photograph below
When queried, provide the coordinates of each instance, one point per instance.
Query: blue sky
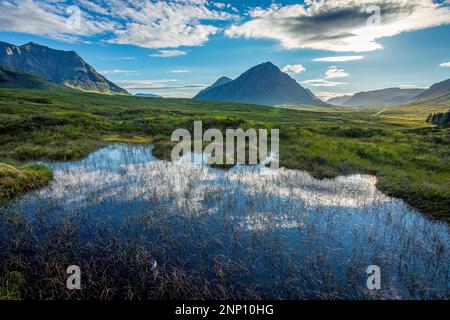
(175, 48)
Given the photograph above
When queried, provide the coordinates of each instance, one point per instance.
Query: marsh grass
(142, 228)
(410, 157)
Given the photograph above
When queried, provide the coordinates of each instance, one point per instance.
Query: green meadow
(410, 157)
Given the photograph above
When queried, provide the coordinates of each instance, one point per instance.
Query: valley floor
(410, 158)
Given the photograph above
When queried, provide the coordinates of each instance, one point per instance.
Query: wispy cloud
(180, 71)
(445, 65)
(335, 72)
(174, 94)
(150, 24)
(158, 84)
(119, 58)
(118, 71)
(340, 25)
(168, 54)
(296, 68)
(323, 83)
(167, 24)
(51, 19)
(222, 5)
(327, 95)
(339, 59)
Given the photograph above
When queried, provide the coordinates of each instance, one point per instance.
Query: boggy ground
(410, 157)
(143, 228)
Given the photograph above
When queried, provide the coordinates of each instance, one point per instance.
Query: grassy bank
(410, 157)
(20, 180)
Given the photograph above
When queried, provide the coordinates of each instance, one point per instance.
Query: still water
(275, 233)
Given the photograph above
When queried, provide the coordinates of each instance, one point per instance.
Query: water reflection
(281, 232)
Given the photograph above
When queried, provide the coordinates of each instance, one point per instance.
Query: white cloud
(158, 84)
(340, 25)
(151, 24)
(118, 71)
(408, 86)
(327, 95)
(445, 65)
(339, 59)
(164, 35)
(335, 72)
(323, 83)
(180, 71)
(166, 24)
(168, 54)
(48, 19)
(296, 68)
(119, 58)
(175, 94)
(220, 5)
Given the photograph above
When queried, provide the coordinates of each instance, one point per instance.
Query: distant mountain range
(147, 95)
(264, 84)
(378, 98)
(40, 67)
(338, 101)
(61, 67)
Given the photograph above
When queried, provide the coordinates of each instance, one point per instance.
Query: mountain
(12, 78)
(438, 90)
(218, 83)
(147, 95)
(61, 67)
(338, 101)
(263, 84)
(384, 97)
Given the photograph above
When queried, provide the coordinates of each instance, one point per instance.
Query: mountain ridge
(435, 91)
(61, 67)
(382, 97)
(338, 101)
(219, 82)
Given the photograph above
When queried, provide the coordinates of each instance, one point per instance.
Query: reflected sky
(312, 228)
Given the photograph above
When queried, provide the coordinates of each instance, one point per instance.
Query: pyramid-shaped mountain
(263, 84)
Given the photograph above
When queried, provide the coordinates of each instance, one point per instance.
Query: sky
(175, 48)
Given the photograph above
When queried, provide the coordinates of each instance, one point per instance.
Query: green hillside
(409, 156)
(12, 78)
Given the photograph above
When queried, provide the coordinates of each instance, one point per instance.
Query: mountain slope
(62, 67)
(12, 78)
(384, 97)
(440, 91)
(263, 84)
(218, 83)
(338, 101)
